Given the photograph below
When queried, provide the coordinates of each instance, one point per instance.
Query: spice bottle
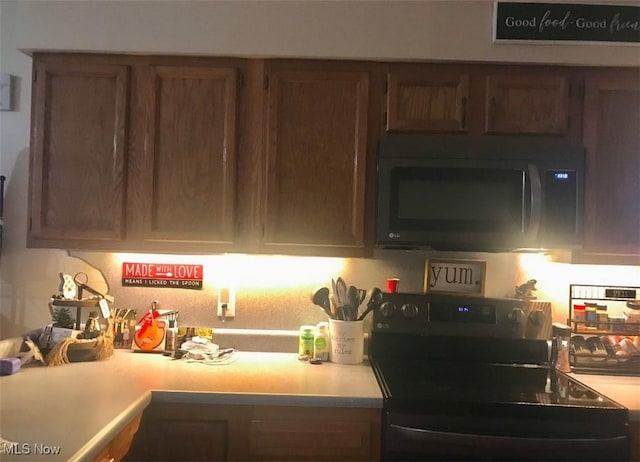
(591, 317)
(321, 342)
(172, 336)
(579, 317)
(560, 347)
(305, 349)
(603, 317)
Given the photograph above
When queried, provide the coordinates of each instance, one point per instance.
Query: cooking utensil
(334, 305)
(348, 312)
(341, 291)
(374, 301)
(321, 298)
(362, 294)
(353, 299)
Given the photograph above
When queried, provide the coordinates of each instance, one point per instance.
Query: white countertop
(79, 407)
(624, 390)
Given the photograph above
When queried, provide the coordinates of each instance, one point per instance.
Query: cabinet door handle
(492, 112)
(463, 121)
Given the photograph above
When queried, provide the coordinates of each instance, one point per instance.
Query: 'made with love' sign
(162, 275)
(558, 22)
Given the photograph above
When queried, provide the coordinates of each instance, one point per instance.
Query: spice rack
(605, 329)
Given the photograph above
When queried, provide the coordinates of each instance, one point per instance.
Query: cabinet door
(427, 101)
(533, 104)
(189, 179)
(612, 189)
(315, 158)
(119, 446)
(178, 440)
(296, 433)
(190, 432)
(78, 154)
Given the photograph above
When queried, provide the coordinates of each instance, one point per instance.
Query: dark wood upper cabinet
(190, 177)
(145, 153)
(77, 174)
(195, 154)
(612, 141)
(316, 145)
(434, 100)
(527, 104)
(133, 153)
(478, 99)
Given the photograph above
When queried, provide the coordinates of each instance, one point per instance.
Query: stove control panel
(437, 314)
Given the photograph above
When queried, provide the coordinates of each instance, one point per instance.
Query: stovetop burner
(435, 384)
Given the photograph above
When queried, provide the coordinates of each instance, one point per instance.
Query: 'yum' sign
(455, 276)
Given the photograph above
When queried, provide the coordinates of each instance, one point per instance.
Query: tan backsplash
(274, 292)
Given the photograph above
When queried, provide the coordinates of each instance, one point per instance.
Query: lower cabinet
(119, 446)
(179, 432)
(277, 433)
(634, 426)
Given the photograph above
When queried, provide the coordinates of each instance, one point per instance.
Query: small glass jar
(591, 316)
(616, 324)
(172, 336)
(305, 349)
(560, 347)
(579, 317)
(321, 342)
(603, 318)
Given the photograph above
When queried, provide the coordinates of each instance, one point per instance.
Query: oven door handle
(407, 438)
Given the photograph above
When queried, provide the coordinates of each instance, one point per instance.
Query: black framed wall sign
(566, 22)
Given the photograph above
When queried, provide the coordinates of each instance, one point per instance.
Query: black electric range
(468, 378)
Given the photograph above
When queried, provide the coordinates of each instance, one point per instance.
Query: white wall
(449, 30)
(380, 30)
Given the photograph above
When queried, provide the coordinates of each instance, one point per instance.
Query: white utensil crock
(347, 341)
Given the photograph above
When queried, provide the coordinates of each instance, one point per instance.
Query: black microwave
(480, 193)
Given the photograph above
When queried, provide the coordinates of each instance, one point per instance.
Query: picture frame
(454, 276)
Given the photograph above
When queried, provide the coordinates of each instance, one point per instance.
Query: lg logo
(394, 235)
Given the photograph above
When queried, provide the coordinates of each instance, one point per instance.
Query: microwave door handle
(535, 215)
